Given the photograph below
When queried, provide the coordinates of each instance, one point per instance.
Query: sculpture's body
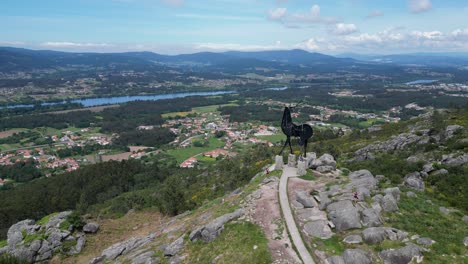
(303, 132)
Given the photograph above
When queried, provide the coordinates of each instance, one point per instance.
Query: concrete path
(288, 217)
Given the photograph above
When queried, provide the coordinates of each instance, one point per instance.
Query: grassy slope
(182, 154)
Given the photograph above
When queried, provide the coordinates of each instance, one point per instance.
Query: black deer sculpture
(303, 131)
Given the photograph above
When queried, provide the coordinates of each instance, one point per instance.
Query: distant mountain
(428, 59)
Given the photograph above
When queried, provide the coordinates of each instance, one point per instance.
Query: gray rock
(362, 178)
(315, 164)
(353, 239)
(447, 210)
(414, 181)
(395, 234)
(389, 204)
(336, 260)
(91, 228)
(440, 172)
(44, 253)
(379, 177)
(344, 215)
(292, 160)
(15, 232)
(398, 142)
(356, 256)
(80, 242)
(146, 258)
(371, 217)
(428, 167)
(279, 162)
(318, 229)
(302, 167)
(97, 260)
(395, 192)
(465, 218)
(452, 161)
(175, 247)
(451, 130)
(296, 205)
(325, 168)
(363, 193)
(311, 156)
(465, 241)
(411, 194)
(374, 235)
(212, 230)
(56, 220)
(125, 247)
(56, 237)
(423, 174)
(402, 255)
(3, 250)
(413, 159)
(305, 199)
(328, 160)
(425, 241)
(324, 200)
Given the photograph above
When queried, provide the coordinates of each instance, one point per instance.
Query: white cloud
(73, 45)
(375, 13)
(240, 47)
(309, 44)
(175, 3)
(343, 29)
(293, 20)
(419, 6)
(277, 14)
(11, 43)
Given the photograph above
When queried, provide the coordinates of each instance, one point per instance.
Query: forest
(113, 187)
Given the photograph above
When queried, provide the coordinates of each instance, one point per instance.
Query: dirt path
(266, 213)
(288, 216)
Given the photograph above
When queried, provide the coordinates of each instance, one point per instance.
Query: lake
(89, 102)
(421, 82)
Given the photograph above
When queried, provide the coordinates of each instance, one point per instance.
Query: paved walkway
(288, 217)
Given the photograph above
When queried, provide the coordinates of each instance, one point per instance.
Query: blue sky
(185, 26)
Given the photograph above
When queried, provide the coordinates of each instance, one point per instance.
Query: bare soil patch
(8, 133)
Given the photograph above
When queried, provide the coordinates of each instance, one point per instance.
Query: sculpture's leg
(287, 140)
(305, 148)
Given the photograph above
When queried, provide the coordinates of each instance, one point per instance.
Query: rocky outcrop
(451, 130)
(362, 179)
(371, 217)
(212, 230)
(454, 161)
(113, 252)
(402, 255)
(398, 142)
(344, 215)
(174, 248)
(425, 241)
(33, 242)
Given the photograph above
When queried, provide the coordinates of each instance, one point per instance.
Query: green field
(182, 154)
(273, 138)
(199, 110)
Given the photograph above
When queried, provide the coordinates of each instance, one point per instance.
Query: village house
(189, 163)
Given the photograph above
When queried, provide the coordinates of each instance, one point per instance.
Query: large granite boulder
(324, 160)
(344, 215)
(91, 227)
(336, 260)
(318, 229)
(389, 203)
(56, 220)
(123, 248)
(395, 192)
(356, 256)
(362, 179)
(305, 199)
(374, 235)
(324, 200)
(402, 255)
(371, 217)
(414, 181)
(212, 230)
(451, 130)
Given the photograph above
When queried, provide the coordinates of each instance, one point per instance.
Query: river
(89, 102)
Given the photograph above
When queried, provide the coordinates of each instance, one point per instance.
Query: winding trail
(288, 217)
